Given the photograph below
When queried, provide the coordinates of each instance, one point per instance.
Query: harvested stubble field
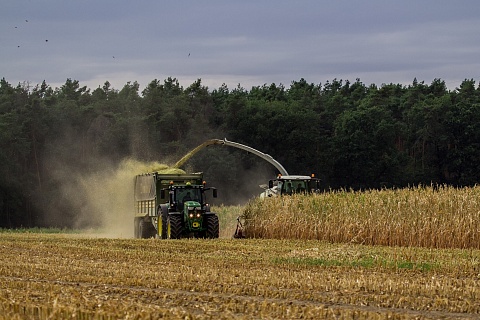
(68, 276)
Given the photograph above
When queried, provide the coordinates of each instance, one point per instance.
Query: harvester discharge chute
(225, 142)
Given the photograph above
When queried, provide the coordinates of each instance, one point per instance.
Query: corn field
(68, 276)
(434, 217)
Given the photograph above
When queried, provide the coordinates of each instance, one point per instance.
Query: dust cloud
(109, 197)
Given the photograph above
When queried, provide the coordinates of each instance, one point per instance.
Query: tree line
(351, 135)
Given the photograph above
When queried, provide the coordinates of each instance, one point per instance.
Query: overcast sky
(247, 42)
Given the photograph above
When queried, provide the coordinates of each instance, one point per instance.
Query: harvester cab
(291, 184)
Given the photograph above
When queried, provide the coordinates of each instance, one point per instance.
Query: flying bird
(26, 20)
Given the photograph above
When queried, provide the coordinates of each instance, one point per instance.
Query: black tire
(212, 226)
(145, 229)
(174, 227)
(162, 226)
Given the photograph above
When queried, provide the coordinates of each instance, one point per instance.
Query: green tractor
(187, 214)
(173, 206)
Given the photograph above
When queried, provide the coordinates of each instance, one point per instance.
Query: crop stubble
(46, 276)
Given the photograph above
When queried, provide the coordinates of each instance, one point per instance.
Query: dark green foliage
(349, 134)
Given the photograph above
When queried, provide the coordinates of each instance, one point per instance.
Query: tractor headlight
(199, 215)
(191, 215)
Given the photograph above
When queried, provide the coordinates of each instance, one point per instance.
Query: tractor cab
(179, 195)
(182, 195)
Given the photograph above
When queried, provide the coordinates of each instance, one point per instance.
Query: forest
(349, 134)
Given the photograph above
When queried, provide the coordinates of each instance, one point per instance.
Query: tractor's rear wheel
(174, 227)
(212, 226)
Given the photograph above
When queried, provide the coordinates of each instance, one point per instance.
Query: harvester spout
(225, 142)
(185, 158)
(262, 155)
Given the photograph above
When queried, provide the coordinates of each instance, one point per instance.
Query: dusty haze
(100, 202)
(109, 197)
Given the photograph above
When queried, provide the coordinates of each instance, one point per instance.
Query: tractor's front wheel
(212, 226)
(174, 227)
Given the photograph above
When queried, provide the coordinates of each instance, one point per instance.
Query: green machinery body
(173, 206)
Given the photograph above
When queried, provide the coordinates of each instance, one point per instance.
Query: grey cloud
(252, 41)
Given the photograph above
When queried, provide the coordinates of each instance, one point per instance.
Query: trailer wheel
(145, 229)
(174, 226)
(212, 226)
